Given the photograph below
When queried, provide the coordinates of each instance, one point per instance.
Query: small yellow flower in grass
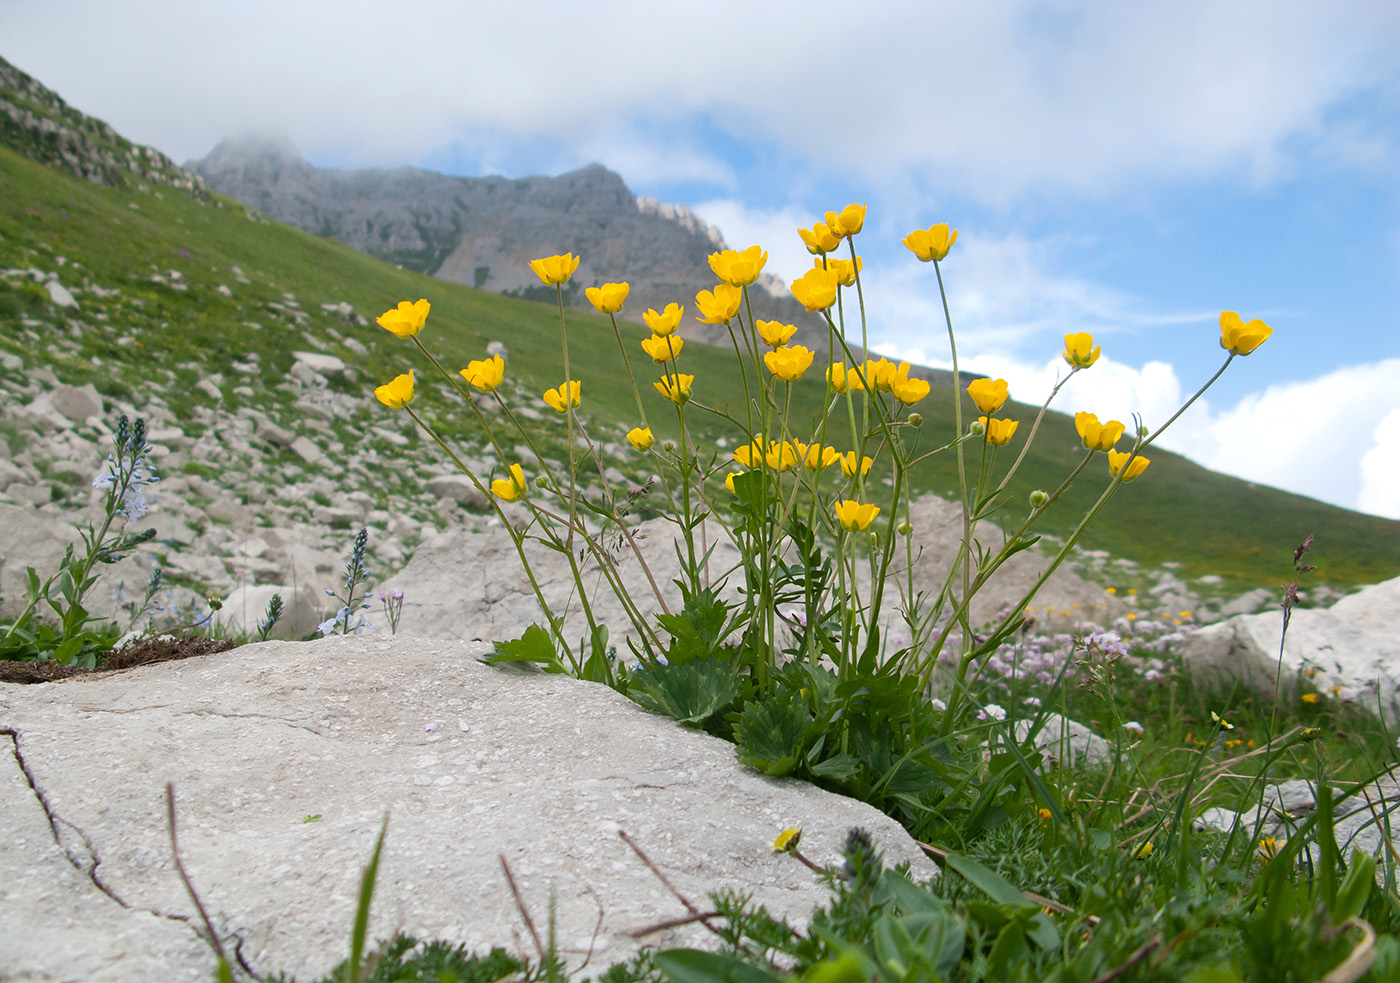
(564, 398)
(1116, 460)
(849, 221)
(406, 320)
(641, 438)
(775, 334)
(848, 464)
(988, 394)
(908, 391)
(841, 379)
(1097, 436)
(787, 840)
(555, 270)
(397, 393)
(486, 374)
(815, 457)
(819, 239)
(1080, 351)
(1268, 848)
(665, 322)
(1240, 338)
(509, 489)
(1045, 814)
(675, 388)
(1224, 724)
(855, 517)
(720, 305)
(999, 431)
(932, 243)
(789, 364)
(844, 269)
(1311, 697)
(661, 347)
(1144, 851)
(738, 268)
(815, 289)
(609, 297)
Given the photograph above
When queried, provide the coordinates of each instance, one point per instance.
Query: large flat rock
(470, 761)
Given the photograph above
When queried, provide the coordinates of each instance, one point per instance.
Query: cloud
(1380, 470)
(773, 229)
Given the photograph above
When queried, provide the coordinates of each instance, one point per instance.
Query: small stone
(60, 295)
(307, 451)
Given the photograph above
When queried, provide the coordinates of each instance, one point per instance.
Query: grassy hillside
(171, 331)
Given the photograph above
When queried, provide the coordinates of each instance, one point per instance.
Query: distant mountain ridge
(484, 231)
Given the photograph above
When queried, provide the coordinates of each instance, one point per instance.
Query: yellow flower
(854, 516)
(738, 268)
(661, 347)
(849, 222)
(397, 393)
(720, 306)
(641, 438)
(816, 457)
(1045, 814)
(1224, 724)
(729, 481)
(406, 320)
(815, 289)
(554, 270)
(561, 400)
(1311, 697)
(1097, 436)
(774, 333)
(848, 464)
(609, 297)
(999, 430)
(932, 243)
(988, 394)
(665, 322)
(509, 489)
(844, 269)
(486, 374)
(782, 457)
(748, 455)
(1080, 351)
(880, 374)
(908, 391)
(1240, 338)
(1116, 460)
(841, 379)
(1268, 848)
(819, 239)
(675, 388)
(1144, 851)
(788, 839)
(789, 364)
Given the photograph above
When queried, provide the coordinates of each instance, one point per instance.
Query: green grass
(1207, 522)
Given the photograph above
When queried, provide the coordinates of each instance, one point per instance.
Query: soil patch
(162, 648)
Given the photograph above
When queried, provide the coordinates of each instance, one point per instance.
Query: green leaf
(361, 929)
(697, 966)
(838, 768)
(772, 733)
(533, 646)
(1356, 888)
(1002, 891)
(691, 692)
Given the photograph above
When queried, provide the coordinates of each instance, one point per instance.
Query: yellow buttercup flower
(720, 305)
(855, 517)
(665, 322)
(749, 455)
(848, 464)
(1144, 851)
(850, 220)
(729, 481)
(1116, 460)
(782, 457)
(675, 388)
(819, 239)
(554, 270)
(486, 374)
(908, 391)
(988, 394)
(815, 457)
(1240, 338)
(788, 839)
(932, 243)
(1268, 848)
(406, 320)
(1080, 351)
(789, 364)
(998, 430)
(844, 269)
(842, 379)
(509, 489)
(662, 347)
(397, 393)
(774, 333)
(879, 374)
(641, 438)
(815, 289)
(738, 268)
(609, 297)
(1097, 436)
(564, 398)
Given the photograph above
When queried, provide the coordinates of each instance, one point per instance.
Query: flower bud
(1038, 499)
(215, 600)
(977, 428)
(905, 528)
(1144, 430)
(541, 481)
(916, 419)
(874, 540)
(670, 446)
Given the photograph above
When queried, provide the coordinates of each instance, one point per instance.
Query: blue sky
(1127, 169)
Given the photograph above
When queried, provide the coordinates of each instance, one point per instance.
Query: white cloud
(1380, 470)
(773, 229)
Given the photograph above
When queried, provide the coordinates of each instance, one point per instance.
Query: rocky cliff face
(483, 232)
